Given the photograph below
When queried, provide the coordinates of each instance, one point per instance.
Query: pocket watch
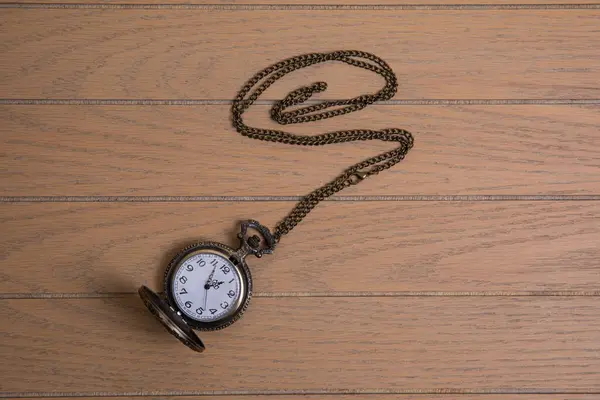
(208, 285)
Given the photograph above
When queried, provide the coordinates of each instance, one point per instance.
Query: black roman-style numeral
(183, 279)
(189, 267)
(224, 305)
(199, 310)
(225, 269)
(183, 291)
(188, 304)
(213, 311)
(201, 263)
(233, 279)
(231, 293)
(214, 263)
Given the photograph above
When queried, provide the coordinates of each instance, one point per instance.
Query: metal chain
(356, 173)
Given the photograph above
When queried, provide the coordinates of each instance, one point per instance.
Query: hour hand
(216, 284)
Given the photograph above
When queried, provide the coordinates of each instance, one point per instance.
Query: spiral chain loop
(356, 173)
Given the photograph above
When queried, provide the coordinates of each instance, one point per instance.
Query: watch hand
(209, 280)
(208, 285)
(216, 284)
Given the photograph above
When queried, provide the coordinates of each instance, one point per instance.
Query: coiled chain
(356, 173)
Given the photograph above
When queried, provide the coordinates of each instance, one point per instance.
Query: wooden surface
(469, 271)
(396, 342)
(407, 246)
(361, 396)
(475, 150)
(129, 54)
(310, 4)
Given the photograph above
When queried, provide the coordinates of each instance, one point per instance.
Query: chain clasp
(357, 177)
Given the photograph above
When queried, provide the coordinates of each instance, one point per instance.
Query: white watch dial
(207, 287)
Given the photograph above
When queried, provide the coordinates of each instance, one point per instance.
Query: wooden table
(469, 271)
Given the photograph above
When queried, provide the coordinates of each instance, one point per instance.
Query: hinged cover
(170, 320)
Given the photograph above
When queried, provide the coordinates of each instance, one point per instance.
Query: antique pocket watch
(208, 285)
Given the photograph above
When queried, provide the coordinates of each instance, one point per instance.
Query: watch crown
(254, 241)
(255, 244)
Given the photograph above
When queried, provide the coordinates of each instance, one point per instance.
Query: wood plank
(193, 150)
(364, 3)
(407, 246)
(377, 396)
(299, 343)
(126, 53)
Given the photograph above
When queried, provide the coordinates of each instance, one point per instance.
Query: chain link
(356, 173)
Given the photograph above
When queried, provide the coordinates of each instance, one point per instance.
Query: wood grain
(387, 300)
(125, 53)
(283, 4)
(194, 151)
(298, 343)
(342, 246)
(374, 396)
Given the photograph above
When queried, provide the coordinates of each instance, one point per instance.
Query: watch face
(207, 288)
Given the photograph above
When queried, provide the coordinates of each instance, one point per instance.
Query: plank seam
(303, 392)
(309, 7)
(201, 199)
(533, 293)
(220, 102)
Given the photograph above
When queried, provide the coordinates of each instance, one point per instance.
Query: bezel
(239, 264)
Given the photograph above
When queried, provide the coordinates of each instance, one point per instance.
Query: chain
(356, 173)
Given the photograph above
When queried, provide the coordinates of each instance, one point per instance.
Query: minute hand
(208, 285)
